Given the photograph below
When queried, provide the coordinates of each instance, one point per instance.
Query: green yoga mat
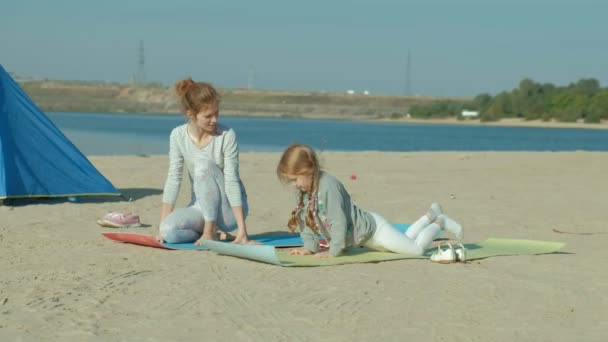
(475, 251)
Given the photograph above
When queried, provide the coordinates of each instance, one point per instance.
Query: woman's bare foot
(223, 236)
(206, 237)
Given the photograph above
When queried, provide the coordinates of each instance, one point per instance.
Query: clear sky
(457, 47)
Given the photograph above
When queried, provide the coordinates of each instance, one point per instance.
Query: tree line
(584, 100)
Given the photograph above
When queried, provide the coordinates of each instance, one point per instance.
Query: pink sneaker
(120, 220)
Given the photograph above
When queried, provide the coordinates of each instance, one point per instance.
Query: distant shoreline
(504, 123)
(446, 121)
(91, 97)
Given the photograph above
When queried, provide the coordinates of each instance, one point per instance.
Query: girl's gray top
(340, 221)
(223, 149)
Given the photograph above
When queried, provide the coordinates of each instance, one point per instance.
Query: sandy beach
(62, 281)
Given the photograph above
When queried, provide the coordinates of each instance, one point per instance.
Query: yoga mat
(286, 239)
(276, 240)
(475, 251)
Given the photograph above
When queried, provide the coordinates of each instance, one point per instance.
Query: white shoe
(446, 223)
(444, 256)
(461, 253)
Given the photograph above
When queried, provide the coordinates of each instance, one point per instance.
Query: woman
(211, 152)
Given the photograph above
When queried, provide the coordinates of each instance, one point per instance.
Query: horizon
(456, 49)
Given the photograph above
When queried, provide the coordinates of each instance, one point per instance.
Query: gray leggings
(210, 205)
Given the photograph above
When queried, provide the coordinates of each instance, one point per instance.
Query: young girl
(211, 152)
(324, 206)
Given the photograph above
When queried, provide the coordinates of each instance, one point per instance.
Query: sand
(60, 280)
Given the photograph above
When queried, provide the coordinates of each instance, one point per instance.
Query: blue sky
(457, 47)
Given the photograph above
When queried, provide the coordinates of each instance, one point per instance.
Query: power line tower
(408, 75)
(140, 74)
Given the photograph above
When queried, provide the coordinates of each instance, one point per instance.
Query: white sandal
(461, 253)
(444, 256)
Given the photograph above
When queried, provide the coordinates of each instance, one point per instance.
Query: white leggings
(211, 205)
(387, 238)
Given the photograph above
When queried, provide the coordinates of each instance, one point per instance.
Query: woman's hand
(300, 251)
(243, 239)
(323, 255)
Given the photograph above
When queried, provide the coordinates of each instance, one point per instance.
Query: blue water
(114, 134)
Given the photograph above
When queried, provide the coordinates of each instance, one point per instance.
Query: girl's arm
(310, 239)
(311, 242)
(337, 210)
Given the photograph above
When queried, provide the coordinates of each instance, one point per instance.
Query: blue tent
(36, 159)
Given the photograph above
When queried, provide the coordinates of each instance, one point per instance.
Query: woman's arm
(232, 178)
(241, 235)
(165, 211)
(175, 169)
(174, 179)
(233, 185)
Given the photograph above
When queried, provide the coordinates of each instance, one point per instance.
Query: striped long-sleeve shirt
(223, 149)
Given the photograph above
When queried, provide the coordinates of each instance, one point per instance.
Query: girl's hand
(323, 255)
(159, 238)
(300, 251)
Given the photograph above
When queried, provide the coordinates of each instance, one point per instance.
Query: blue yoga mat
(275, 240)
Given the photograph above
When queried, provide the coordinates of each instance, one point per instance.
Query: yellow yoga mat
(475, 251)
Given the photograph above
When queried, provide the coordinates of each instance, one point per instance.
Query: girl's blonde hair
(196, 96)
(300, 159)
